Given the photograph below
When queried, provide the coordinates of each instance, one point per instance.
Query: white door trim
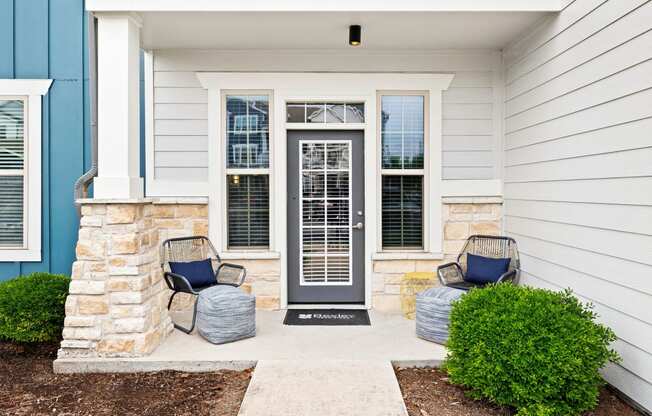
(360, 87)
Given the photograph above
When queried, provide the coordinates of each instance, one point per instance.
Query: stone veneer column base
(117, 306)
(461, 217)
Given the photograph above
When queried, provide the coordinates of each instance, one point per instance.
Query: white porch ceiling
(329, 30)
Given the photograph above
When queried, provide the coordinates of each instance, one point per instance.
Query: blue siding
(47, 39)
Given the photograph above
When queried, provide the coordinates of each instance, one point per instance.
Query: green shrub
(32, 307)
(533, 349)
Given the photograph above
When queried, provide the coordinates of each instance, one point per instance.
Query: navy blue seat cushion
(198, 273)
(483, 270)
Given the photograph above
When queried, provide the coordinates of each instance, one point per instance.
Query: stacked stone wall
(117, 302)
(461, 218)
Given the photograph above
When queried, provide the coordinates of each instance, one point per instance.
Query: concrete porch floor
(389, 338)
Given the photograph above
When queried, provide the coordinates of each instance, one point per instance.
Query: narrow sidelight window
(402, 168)
(12, 174)
(247, 171)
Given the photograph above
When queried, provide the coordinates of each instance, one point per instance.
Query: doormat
(330, 317)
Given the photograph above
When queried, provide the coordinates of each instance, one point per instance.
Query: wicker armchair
(453, 274)
(186, 249)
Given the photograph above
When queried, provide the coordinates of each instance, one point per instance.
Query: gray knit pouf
(225, 314)
(433, 312)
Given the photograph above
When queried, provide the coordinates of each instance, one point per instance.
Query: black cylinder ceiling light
(355, 35)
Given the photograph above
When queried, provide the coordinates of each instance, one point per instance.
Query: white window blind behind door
(12, 172)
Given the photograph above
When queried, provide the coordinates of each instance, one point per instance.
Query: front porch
(390, 337)
(424, 151)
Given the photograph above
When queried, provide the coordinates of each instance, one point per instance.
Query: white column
(118, 51)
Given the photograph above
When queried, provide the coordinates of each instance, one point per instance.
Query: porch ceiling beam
(331, 6)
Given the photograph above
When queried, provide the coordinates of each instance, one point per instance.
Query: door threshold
(327, 306)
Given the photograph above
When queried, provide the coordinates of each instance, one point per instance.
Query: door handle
(358, 226)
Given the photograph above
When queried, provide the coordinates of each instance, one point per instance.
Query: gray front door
(325, 217)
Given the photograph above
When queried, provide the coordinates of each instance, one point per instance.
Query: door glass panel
(338, 156)
(337, 212)
(312, 156)
(325, 212)
(313, 212)
(313, 185)
(337, 185)
(337, 268)
(338, 240)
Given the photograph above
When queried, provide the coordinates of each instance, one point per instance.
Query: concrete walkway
(323, 388)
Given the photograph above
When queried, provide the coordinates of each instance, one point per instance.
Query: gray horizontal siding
(470, 121)
(578, 170)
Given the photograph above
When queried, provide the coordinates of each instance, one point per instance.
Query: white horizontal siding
(635, 219)
(179, 111)
(599, 20)
(622, 164)
(578, 168)
(549, 29)
(631, 135)
(181, 143)
(629, 191)
(626, 109)
(467, 172)
(470, 126)
(472, 143)
(622, 31)
(181, 174)
(181, 159)
(608, 89)
(611, 62)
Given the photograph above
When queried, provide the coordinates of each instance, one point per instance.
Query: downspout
(84, 181)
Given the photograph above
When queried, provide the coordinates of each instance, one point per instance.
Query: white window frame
(31, 92)
(425, 173)
(245, 171)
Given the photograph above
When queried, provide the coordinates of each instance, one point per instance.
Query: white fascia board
(24, 86)
(322, 6)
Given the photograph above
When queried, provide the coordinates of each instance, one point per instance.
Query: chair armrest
(507, 277)
(450, 273)
(178, 283)
(230, 274)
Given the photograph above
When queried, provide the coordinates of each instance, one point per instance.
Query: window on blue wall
(12, 173)
(20, 168)
(247, 171)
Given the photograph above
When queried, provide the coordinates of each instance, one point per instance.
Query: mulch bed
(427, 392)
(29, 387)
